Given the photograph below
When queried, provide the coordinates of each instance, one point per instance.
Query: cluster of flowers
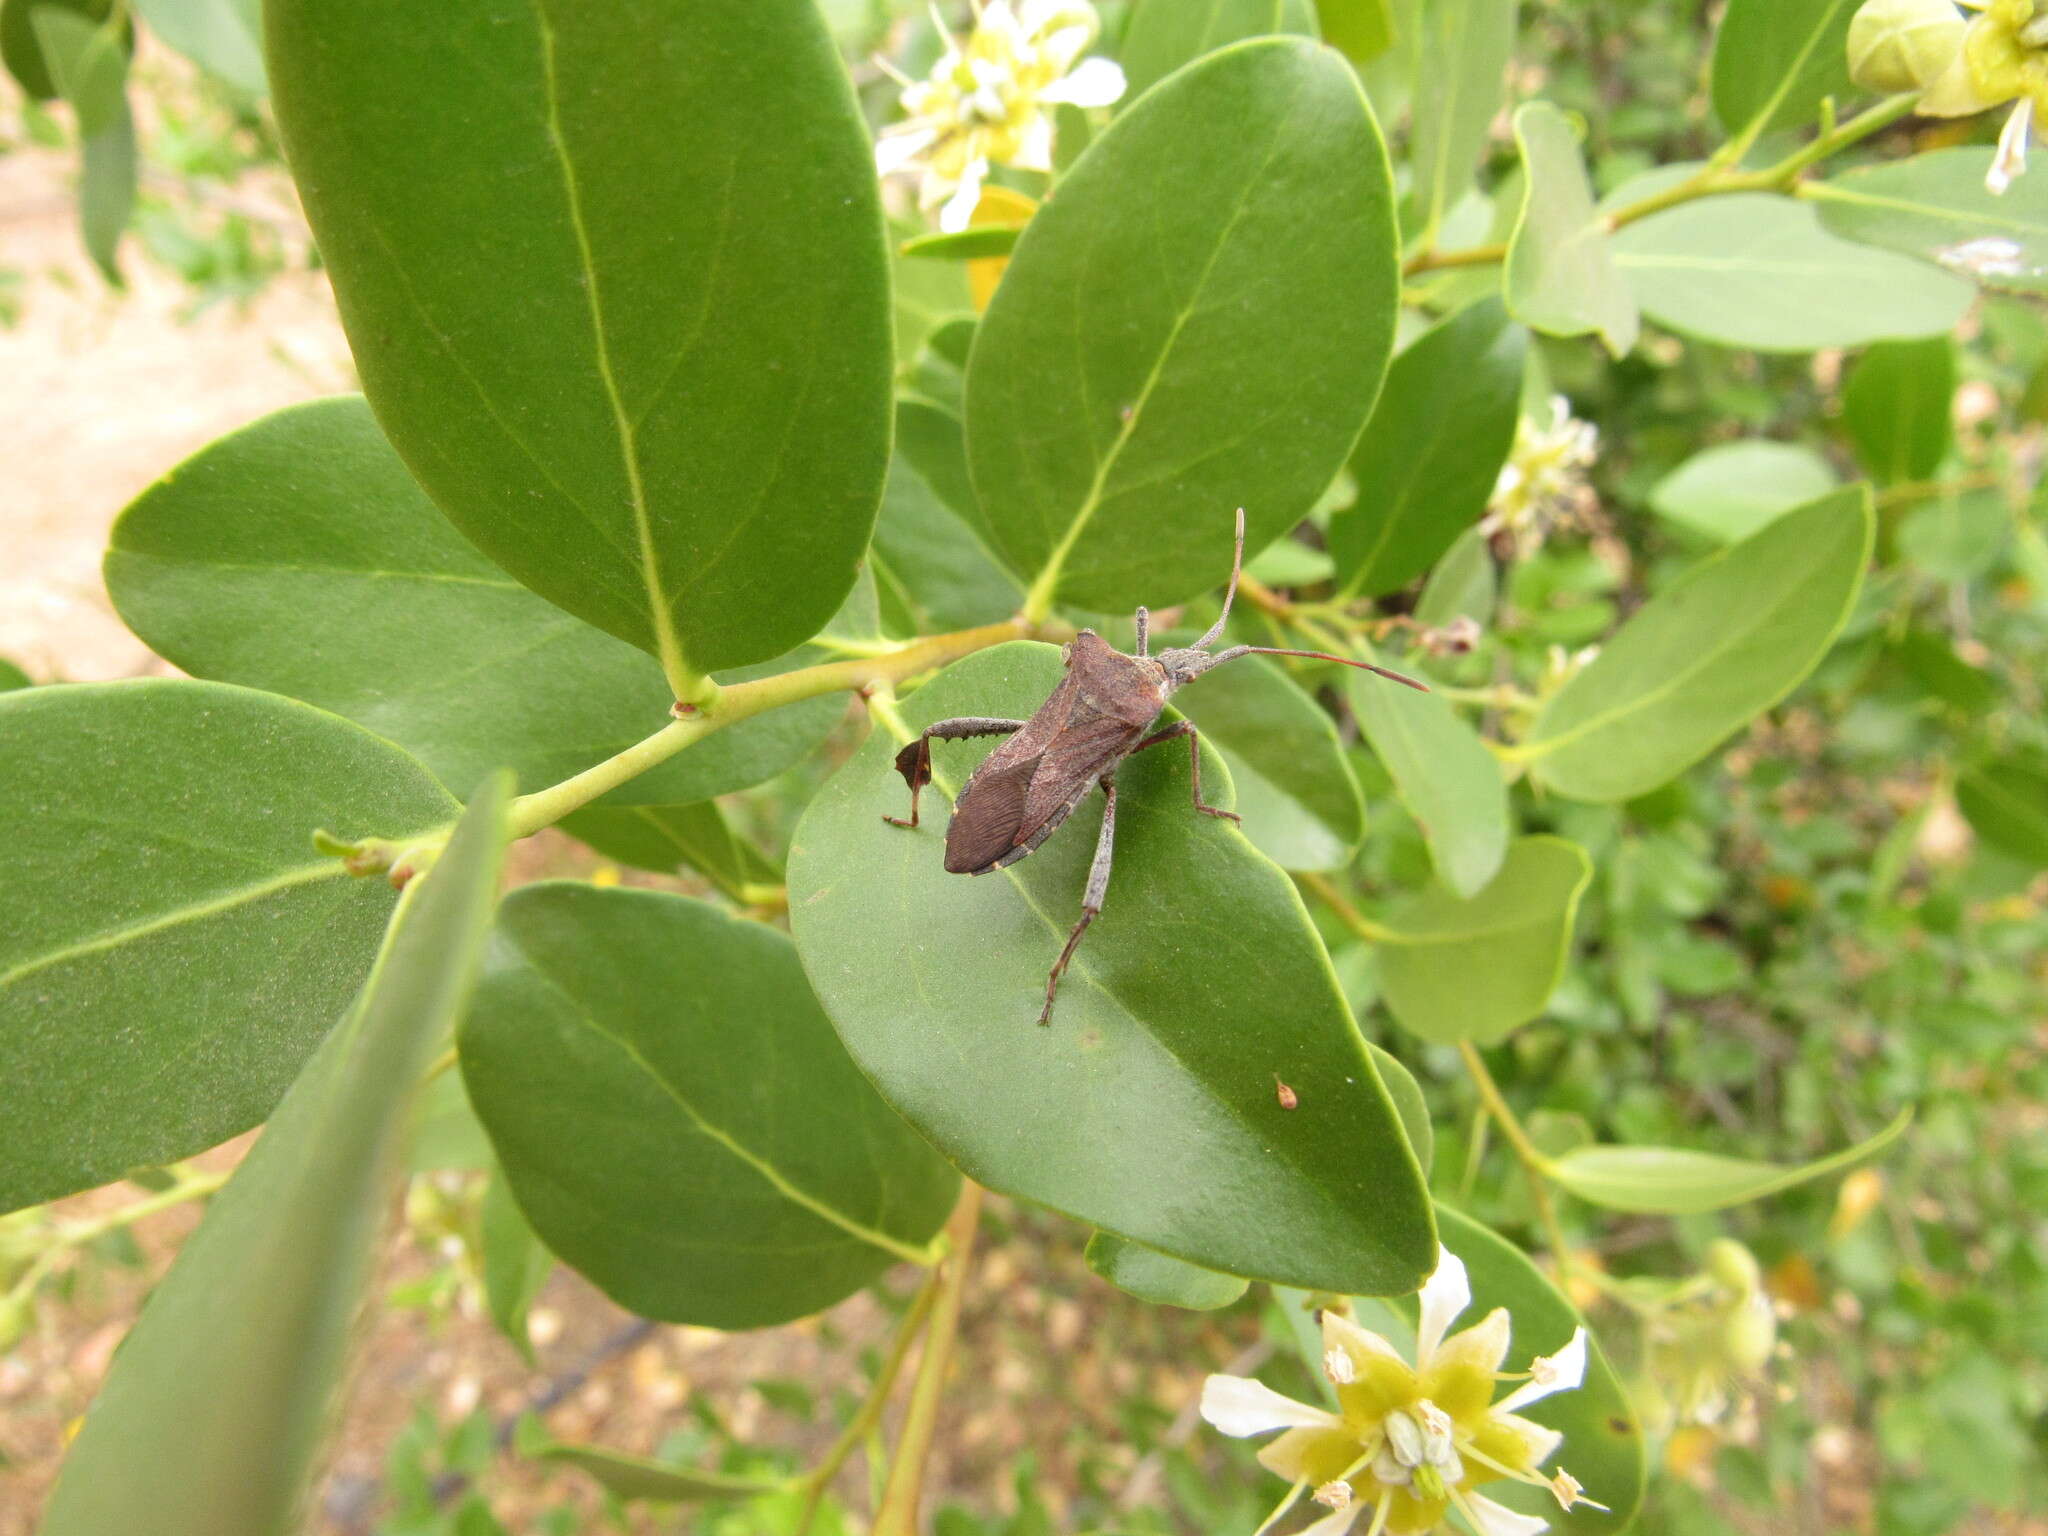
(1961, 66)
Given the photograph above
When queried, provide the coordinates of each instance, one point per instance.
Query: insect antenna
(1229, 592)
(1364, 666)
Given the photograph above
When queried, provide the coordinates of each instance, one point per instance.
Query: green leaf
(1474, 968)
(637, 1477)
(1465, 49)
(1897, 407)
(224, 36)
(1936, 207)
(298, 556)
(1674, 1181)
(1732, 636)
(175, 948)
(1409, 1104)
(2006, 804)
(675, 1117)
(1727, 492)
(1957, 535)
(12, 677)
(1444, 774)
(965, 244)
(667, 837)
(1301, 804)
(1461, 584)
(1754, 270)
(1165, 34)
(1361, 30)
(515, 1265)
(1148, 1105)
(1561, 277)
(1603, 1445)
(1112, 426)
(89, 64)
(1152, 1276)
(216, 1405)
(657, 394)
(1775, 61)
(22, 52)
(1432, 451)
(927, 552)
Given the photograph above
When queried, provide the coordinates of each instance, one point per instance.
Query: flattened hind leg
(914, 762)
(1091, 900)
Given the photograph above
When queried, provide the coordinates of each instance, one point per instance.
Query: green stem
(192, 1186)
(742, 701)
(1350, 916)
(819, 1479)
(1717, 178)
(1535, 1166)
(905, 1488)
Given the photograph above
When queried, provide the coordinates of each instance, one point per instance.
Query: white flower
(1410, 1443)
(984, 102)
(1543, 484)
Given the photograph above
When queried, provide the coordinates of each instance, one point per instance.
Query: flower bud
(1734, 1266)
(1748, 1336)
(1903, 45)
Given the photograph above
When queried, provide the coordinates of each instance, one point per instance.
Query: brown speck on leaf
(1287, 1096)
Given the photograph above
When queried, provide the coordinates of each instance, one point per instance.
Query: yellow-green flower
(1410, 1443)
(1543, 485)
(2004, 57)
(985, 101)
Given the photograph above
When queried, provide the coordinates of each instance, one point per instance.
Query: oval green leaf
(1775, 61)
(217, 1403)
(1936, 207)
(665, 838)
(1456, 968)
(1675, 1181)
(1759, 271)
(12, 677)
(676, 1118)
(1444, 774)
(1409, 1104)
(658, 392)
(1301, 804)
(1465, 47)
(2006, 804)
(1152, 1276)
(1245, 211)
(1165, 34)
(1561, 277)
(224, 36)
(1728, 639)
(1432, 451)
(1148, 1105)
(175, 948)
(515, 1265)
(1461, 585)
(631, 1477)
(1898, 407)
(1603, 1445)
(298, 556)
(1727, 492)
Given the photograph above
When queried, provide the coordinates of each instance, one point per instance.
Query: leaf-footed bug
(1097, 716)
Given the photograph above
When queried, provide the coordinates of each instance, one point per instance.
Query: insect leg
(1091, 900)
(914, 762)
(1187, 728)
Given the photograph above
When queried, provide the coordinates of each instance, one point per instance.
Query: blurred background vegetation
(1841, 914)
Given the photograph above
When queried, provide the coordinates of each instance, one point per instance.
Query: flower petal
(895, 150)
(1445, 1294)
(2011, 160)
(1345, 1343)
(1094, 83)
(1498, 1520)
(1337, 1524)
(1550, 1373)
(1034, 145)
(960, 206)
(1541, 1439)
(1239, 1406)
(1482, 1347)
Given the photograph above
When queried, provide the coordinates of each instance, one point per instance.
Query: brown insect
(1099, 715)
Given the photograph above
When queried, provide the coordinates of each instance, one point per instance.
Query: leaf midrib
(668, 644)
